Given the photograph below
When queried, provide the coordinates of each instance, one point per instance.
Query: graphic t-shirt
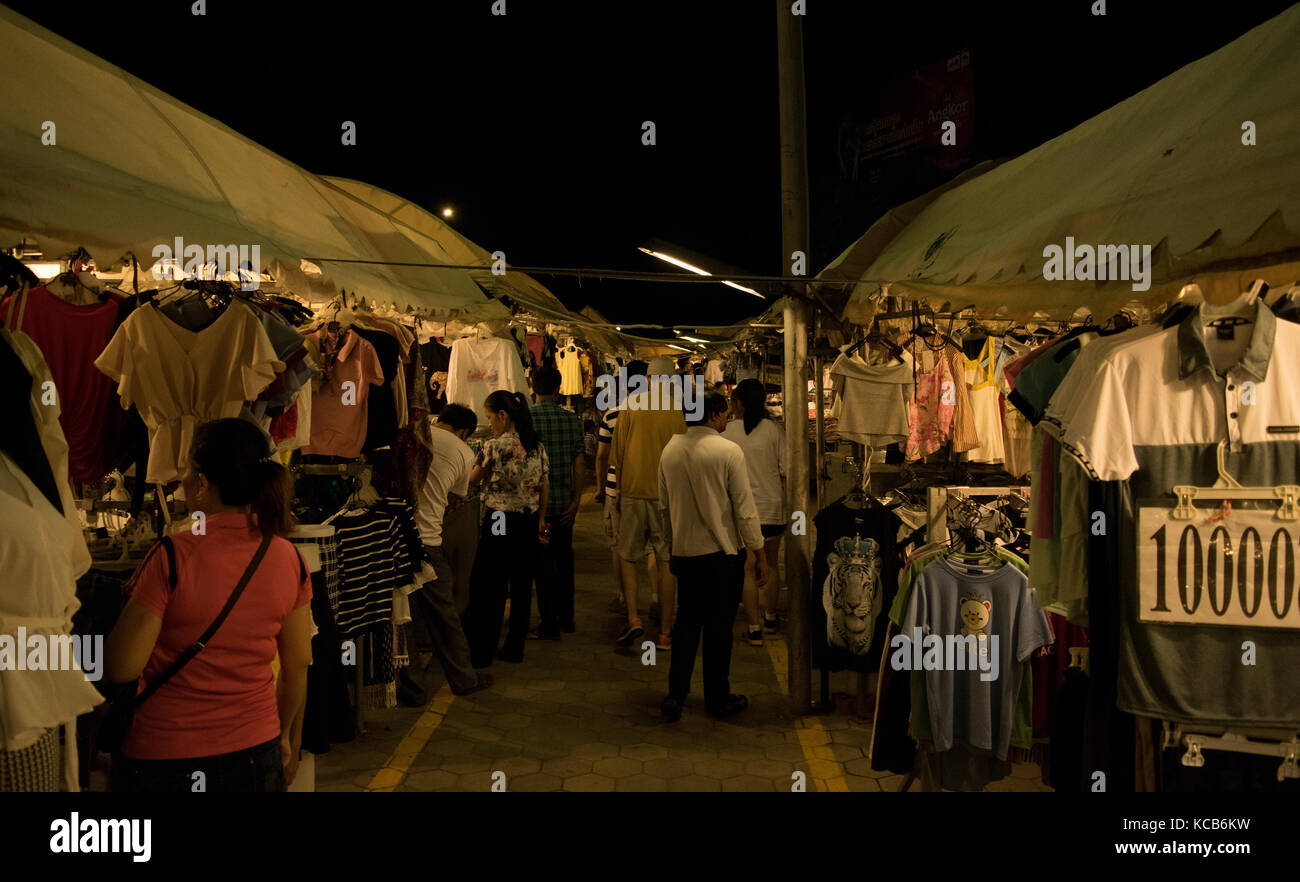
(477, 368)
(955, 600)
(516, 476)
(855, 576)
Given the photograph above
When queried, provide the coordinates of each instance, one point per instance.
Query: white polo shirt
(1151, 412)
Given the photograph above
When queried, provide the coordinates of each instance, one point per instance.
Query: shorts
(641, 529)
(771, 530)
(611, 521)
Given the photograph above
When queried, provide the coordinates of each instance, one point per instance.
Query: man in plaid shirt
(561, 433)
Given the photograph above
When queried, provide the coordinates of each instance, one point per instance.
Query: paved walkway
(582, 715)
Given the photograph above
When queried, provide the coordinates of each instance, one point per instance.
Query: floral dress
(514, 482)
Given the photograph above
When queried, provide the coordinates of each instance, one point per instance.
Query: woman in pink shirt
(223, 714)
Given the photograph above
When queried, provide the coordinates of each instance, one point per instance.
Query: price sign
(1237, 571)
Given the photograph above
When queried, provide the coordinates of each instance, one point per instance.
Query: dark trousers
(433, 611)
(257, 769)
(555, 577)
(708, 594)
(504, 565)
(459, 543)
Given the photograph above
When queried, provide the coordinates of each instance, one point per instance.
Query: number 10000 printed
(1239, 572)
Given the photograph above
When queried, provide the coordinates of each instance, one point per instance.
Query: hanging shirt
(481, 367)
(1152, 416)
(368, 543)
(340, 403)
(953, 600)
(930, 412)
(713, 371)
(844, 632)
(179, 378)
(570, 371)
(70, 337)
(381, 409)
(986, 407)
(765, 463)
(871, 401)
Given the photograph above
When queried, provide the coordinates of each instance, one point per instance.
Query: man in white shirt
(705, 495)
(433, 606)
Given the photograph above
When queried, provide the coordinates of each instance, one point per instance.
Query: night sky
(529, 124)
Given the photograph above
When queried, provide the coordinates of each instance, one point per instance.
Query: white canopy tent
(1166, 168)
(92, 156)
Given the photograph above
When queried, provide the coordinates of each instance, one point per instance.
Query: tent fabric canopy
(130, 168)
(1167, 168)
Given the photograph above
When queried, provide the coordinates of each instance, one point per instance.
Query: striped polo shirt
(605, 435)
(1151, 413)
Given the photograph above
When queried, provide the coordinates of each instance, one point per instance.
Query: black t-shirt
(835, 522)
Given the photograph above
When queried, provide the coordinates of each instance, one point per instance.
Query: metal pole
(795, 237)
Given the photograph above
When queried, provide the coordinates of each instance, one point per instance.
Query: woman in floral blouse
(513, 467)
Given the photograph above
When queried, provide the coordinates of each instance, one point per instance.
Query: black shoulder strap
(170, 548)
(188, 654)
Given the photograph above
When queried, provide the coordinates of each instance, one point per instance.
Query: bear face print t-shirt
(972, 700)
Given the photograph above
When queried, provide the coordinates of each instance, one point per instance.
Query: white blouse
(180, 378)
(765, 458)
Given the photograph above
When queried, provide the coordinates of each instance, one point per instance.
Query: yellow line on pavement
(827, 773)
(391, 775)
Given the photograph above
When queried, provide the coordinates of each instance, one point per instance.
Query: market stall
(1051, 369)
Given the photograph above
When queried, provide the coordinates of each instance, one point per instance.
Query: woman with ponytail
(763, 443)
(223, 713)
(513, 467)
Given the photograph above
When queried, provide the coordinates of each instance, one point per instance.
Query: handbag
(121, 712)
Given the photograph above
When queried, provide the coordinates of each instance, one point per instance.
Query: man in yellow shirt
(648, 419)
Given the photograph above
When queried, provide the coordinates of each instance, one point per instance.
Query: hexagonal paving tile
(694, 784)
(511, 721)
(515, 766)
(836, 752)
(668, 768)
(766, 768)
(719, 768)
(862, 768)
(642, 784)
(617, 767)
(542, 783)
(596, 750)
(748, 784)
(644, 752)
(786, 752)
(467, 765)
(859, 784)
(567, 767)
(590, 783)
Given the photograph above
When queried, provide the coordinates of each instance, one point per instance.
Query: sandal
(754, 636)
(770, 624)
